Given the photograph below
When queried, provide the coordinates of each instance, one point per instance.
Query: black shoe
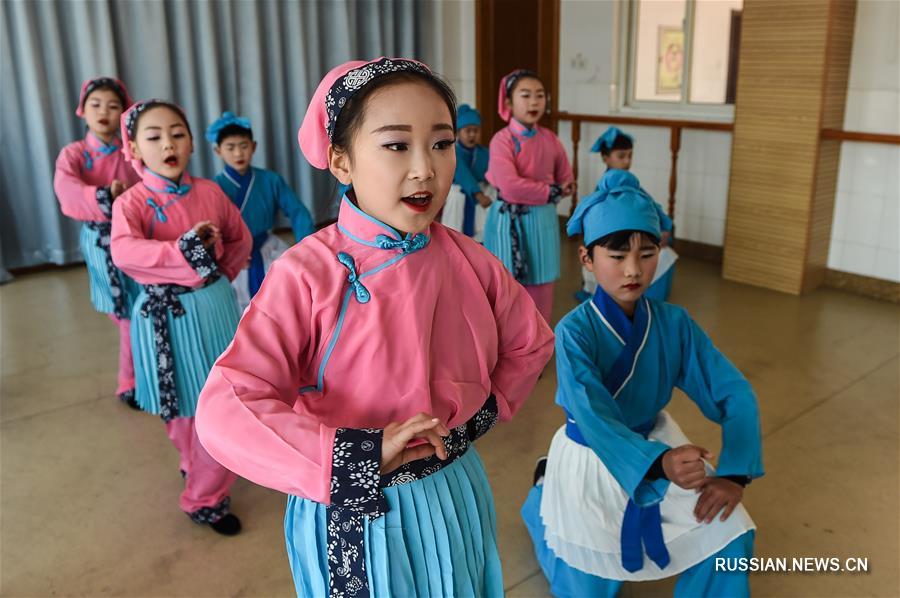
(539, 470)
(183, 474)
(228, 525)
(127, 397)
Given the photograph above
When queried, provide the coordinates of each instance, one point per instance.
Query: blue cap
(466, 116)
(618, 204)
(608, 139)
(227, 119)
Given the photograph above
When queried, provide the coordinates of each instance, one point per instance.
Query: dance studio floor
(88, 488)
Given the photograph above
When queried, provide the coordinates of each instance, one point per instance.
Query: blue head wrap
(606, 141)
(466, 116)
(226, 120)
(618, 204)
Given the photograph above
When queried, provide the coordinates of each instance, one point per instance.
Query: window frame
(627, 50)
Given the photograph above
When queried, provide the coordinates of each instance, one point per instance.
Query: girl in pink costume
(531, 172)
(358, 379)
(90, 174)
(183, 240)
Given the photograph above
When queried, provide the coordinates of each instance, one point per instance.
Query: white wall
(589, 62)
(867, 208)
(456, 63)
(866, 228)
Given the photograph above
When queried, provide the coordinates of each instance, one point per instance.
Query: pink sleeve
(232, 253)
(245, 416)
(148, 261)
(562, 170)
(503, 173)
(77, 199)
(525, 341)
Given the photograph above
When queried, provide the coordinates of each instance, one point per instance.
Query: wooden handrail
(645, 121)
(674, 125)
(860, 136)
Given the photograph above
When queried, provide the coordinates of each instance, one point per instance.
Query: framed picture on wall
(670, 60)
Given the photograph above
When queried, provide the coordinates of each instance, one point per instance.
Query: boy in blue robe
(623, 495)
(469, 179)
(616, 148)
(258, 194)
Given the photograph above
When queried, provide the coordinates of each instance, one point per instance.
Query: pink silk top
(524, 163)
(150, 217)
(82, 167)
(374, 336)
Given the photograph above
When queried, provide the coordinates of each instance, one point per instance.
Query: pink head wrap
(506, 86)
(128, 124)
(91, 84)
(333, 92)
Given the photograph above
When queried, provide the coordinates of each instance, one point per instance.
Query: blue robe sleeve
(725, 397)
(665, 223)
(627, 454)
(299, 216)
(465, 178)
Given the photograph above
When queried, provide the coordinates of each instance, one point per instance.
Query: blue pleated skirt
(438, 539)
(95, 259)
(540, 230)
(198, 338)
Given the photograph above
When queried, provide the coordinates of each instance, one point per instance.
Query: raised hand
(208, 232)
(684, 466)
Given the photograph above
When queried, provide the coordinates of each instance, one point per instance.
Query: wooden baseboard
(875, 288)
(699, 251)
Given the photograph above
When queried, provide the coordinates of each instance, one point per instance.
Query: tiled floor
(89, 488)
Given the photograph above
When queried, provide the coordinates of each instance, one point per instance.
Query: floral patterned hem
(197, 256)
(517, 242)
(104, 242)
(555, 193)
(104, 201)
(211, 514)
(355, 493)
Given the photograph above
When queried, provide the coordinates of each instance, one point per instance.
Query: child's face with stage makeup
(102, 109)
(237, 151)
(401, 160)
(626, 272)
(529, 101)
(619, 158)
(163, 142)
(470, 136)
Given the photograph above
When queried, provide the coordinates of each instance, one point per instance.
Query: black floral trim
(104, 242)
(485, 419)
(131, 116)
(104, 200)
(515, 76)
(162, 299)
(355, 493)
(355, 468)
(345, 87)
(198, 257)
(105, 82)
(213, 513)
(555, 193)
(520, 264)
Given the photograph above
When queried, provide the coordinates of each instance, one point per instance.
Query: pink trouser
(126, 363)
(542, 295)
(207, 482)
